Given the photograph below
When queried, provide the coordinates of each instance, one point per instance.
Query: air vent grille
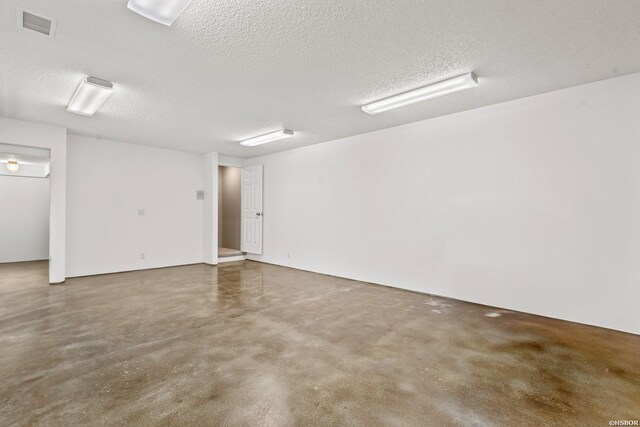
(39, 24)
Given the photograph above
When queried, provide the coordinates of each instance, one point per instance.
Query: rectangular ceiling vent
(33, 22)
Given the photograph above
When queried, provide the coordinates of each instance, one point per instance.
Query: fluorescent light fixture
(13, 166)
(263, 139)
(161, 11)
(90, 95)
(441, 88)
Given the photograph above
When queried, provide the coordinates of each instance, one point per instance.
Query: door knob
(258, 213)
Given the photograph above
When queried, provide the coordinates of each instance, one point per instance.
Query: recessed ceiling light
(444, 87)
(273, 136)
(89, 96)
(161, 11)
(13, 166)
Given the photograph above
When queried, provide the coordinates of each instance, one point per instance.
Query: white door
(251, 210)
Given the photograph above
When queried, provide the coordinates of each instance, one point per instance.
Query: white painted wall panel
(24, 219)
(531, 205)
(108, 183)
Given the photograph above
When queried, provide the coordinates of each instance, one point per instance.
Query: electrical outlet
(140, 212)
(142, 255)
(288, 254)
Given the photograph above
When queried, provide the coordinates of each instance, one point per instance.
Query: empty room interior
(298, 213)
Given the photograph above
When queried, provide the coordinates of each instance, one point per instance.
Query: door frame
(53, 138)
(228, 162)
(230, 165)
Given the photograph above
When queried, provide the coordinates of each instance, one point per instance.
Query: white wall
(24, 219)
(532, 205)
(54, 139)
(210, 226)
(108, 183)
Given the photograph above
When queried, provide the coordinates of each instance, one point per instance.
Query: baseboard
(24, 260)
(134, 270)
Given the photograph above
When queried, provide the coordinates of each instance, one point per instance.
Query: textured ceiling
(232, 69)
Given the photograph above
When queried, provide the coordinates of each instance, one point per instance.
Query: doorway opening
(24, 217)
(229, 213)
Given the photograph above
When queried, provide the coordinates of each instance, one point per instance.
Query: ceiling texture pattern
(228, 70)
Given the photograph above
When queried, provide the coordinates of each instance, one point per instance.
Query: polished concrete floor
(249, 344)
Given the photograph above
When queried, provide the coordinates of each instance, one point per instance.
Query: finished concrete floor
(249, 344)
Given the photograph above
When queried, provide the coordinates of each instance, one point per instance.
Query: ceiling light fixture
(263, 139)
(161, 11)
(90, 95)
(13, 166)
(441, 88)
